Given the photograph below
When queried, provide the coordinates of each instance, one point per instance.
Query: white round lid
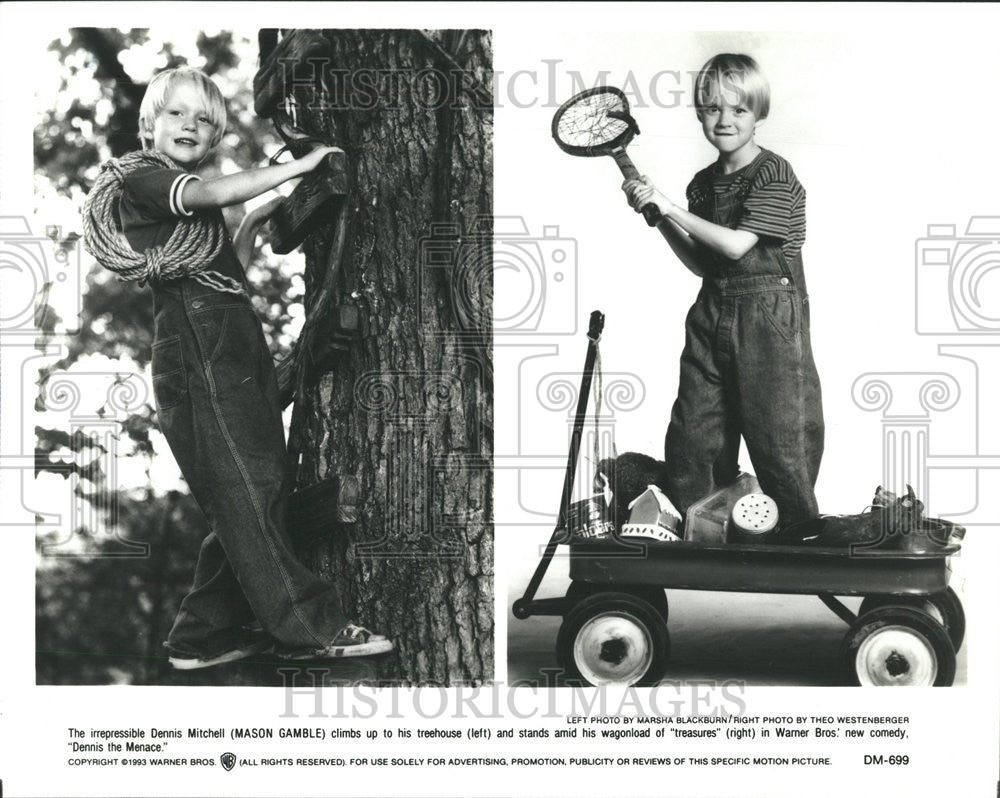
(755, 513)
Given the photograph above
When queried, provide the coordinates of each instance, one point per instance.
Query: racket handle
(649, 211)
(625, 164)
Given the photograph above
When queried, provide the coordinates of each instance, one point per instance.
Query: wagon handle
(521, 607)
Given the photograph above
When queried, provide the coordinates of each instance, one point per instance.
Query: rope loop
(192, 247)
(154, 265)
(114, 166)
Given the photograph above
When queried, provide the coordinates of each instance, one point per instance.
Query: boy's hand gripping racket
(597, 122)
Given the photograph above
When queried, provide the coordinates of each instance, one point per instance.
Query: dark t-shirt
(150, 207)
(775, 204)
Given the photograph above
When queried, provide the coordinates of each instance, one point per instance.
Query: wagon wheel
(614, 638)
(945, 607)
(898, 646)
(654, 595)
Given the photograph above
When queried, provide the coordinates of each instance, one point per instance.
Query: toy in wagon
(695, 521)
(628, 542)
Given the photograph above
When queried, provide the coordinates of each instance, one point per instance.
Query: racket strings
(589, 123)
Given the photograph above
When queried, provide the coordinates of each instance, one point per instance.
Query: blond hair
(158, 91)
(738, 79)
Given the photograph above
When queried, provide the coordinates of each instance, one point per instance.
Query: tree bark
(407, 408)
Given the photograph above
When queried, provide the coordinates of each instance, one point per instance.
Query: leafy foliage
(102, 619)
(112, 612)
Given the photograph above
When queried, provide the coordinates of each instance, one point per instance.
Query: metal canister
(589, 519)
(753, 519)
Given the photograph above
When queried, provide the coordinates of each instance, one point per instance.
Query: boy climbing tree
(392, 375)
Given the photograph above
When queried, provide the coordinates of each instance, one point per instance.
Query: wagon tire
(898, 646)
(614, 638)
(945, 607)
(656, 596)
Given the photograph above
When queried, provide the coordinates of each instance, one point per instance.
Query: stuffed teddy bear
(628, 476)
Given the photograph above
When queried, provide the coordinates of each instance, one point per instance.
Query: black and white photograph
(800, 558)
(231, 517)
(499, 399)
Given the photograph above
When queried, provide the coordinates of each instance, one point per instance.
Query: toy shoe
(891, 523)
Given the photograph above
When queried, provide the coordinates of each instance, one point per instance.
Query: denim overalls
(747, 368)
(217, 402)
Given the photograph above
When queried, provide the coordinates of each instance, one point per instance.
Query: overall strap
(746, 183)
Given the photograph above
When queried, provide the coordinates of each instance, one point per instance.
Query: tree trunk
(407, 406)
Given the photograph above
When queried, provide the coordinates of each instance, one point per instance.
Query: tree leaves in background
(101, 619)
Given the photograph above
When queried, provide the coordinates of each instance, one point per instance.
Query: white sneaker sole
(368, 649)
(189, 664)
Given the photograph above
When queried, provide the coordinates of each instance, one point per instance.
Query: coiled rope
(191, 248)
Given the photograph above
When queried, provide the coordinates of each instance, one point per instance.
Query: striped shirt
(150, 205)
(774, 206)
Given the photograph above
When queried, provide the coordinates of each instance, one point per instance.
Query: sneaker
(351, 641)
(254, 642)
(889, 523)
